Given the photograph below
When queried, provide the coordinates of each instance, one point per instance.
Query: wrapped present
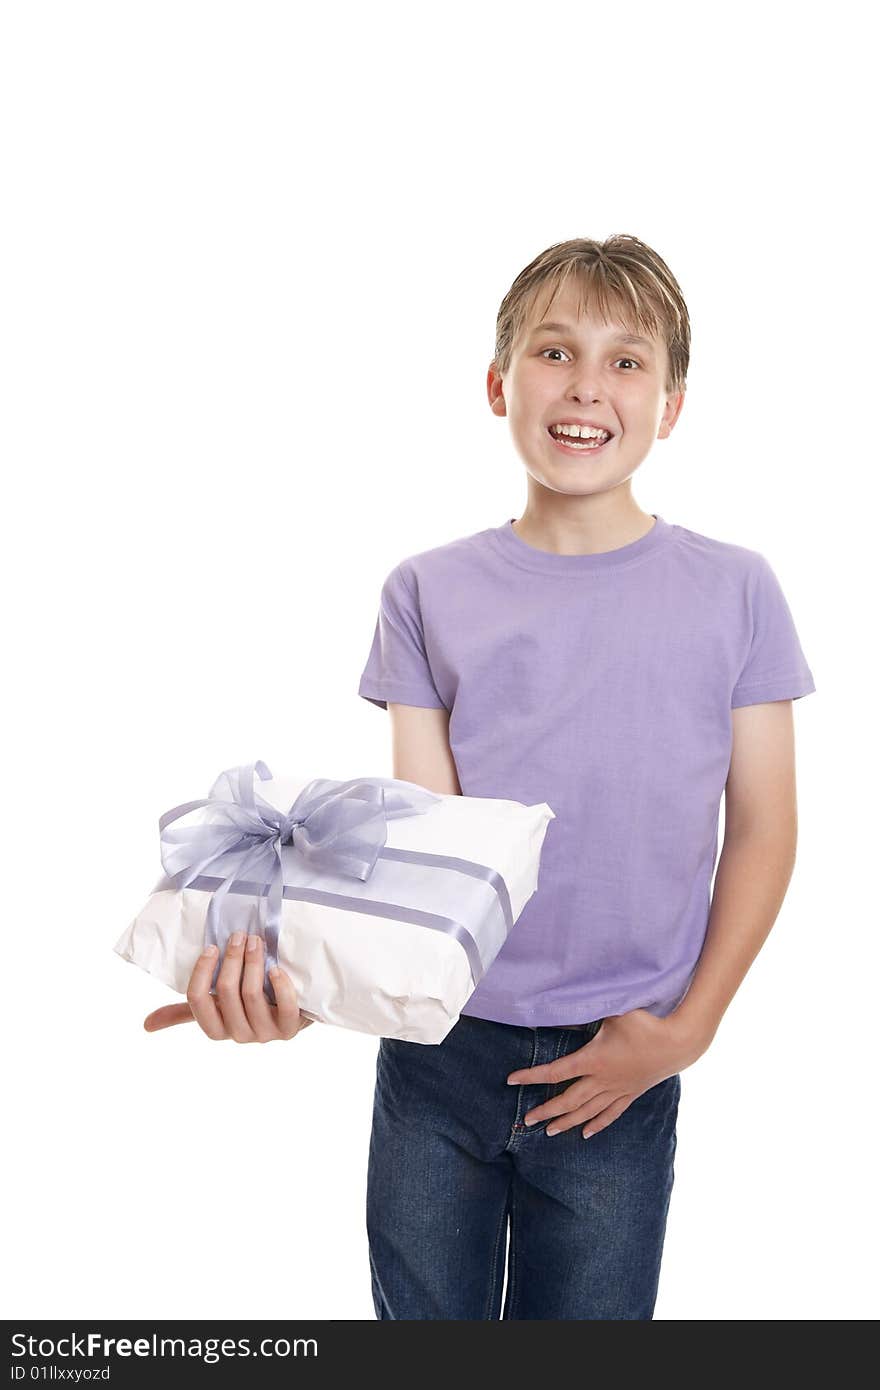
(384, 902)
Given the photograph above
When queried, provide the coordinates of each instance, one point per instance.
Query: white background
(252, 258)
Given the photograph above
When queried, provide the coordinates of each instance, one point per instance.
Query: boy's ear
(495, 392)
(671, 414)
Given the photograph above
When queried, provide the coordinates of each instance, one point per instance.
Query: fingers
(168, 1015)
(549, 1073)
(600, 1111)
(229, 997)
(579, 1108)
(608, 1116)
(240, 1009)
(566, 1103)
(260, 1018)
(289, 1021)
(202, 1003)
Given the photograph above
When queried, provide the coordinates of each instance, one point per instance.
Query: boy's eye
(620, 359)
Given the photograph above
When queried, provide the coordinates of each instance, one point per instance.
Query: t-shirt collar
(547, 562)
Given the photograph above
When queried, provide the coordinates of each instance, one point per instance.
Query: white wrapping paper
(363, 971)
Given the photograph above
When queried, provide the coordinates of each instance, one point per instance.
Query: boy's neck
(588, 534)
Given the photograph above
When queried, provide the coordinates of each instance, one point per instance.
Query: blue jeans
(451, 1161)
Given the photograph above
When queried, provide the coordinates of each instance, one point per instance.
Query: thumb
(167, 1016)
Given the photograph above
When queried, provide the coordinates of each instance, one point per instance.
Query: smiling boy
(630, 672)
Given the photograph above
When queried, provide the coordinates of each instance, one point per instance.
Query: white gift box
(396, 953)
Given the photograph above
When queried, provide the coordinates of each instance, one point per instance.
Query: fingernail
(237, 938)
(209, 951)
(253, 942)
(274, 973)
(551, 1131)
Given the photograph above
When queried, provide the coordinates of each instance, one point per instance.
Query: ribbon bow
(339, 827)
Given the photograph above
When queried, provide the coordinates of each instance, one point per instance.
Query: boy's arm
(755, 865)
(421, 752)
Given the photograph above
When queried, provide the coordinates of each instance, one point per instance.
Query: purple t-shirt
(603, 685)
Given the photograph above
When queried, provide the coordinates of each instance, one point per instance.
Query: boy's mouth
(570, 445)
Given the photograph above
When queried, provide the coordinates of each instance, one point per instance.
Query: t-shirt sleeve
(397, 668)
(775, 668)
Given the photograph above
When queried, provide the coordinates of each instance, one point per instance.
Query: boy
(626, 671)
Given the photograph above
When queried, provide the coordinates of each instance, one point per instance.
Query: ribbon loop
(337, 827)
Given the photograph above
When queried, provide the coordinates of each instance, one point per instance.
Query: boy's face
(584, 372)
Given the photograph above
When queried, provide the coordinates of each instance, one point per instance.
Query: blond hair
(621, 277)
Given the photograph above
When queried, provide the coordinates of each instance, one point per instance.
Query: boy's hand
(630, 1053)
(240, 1009)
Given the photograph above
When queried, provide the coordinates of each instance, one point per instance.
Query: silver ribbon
(338, 829)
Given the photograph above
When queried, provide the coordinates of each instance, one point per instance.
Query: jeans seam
(378, 1296)
(493, 1272)
(512, 1282)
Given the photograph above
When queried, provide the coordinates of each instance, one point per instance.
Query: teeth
(579, 432)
